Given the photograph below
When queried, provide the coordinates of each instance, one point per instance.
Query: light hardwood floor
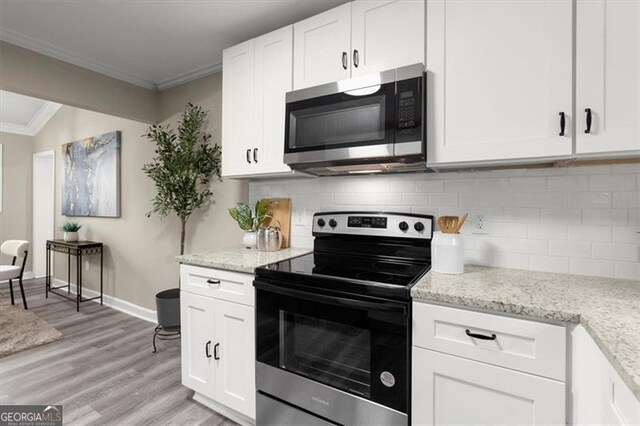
(102, 371)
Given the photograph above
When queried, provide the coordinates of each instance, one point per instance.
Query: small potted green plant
(71, 231)
(249, 220)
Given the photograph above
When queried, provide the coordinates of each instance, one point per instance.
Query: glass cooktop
(353, 268)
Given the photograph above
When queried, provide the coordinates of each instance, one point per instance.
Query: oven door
(347, 125)
(333, 355)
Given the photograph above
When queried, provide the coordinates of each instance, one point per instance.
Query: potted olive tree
(183, 168)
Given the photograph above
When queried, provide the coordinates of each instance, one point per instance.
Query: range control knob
(333, 223)
(321, 222)
(403, 226)
(419, 226)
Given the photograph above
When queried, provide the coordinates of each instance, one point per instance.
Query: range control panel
(374, 224)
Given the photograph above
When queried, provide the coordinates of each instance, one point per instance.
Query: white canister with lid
(447, 253)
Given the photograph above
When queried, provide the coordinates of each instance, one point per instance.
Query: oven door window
(343, 120)
(359, 351)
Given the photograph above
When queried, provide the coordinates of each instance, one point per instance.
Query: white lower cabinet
(476, 368)
(218, 351)
(452, 390)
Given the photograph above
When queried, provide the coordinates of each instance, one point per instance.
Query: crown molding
(47, 49)
(189, 76)
(37, 122)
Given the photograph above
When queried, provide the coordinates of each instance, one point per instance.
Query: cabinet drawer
(523, 345)
(232, 286)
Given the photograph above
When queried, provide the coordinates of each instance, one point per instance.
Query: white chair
(15, 248)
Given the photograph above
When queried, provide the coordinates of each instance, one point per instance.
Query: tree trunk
(182, 234)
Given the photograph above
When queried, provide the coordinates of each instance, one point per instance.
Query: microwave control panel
(409, 110)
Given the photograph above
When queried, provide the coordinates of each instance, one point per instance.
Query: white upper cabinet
(499, 80)
(256, 75)
(608, 77)
(273, 79)
(357, 38)
(238, 131)
(322, 48)
(386, 34)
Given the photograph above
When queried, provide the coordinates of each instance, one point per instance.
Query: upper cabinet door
(238, 130)
(386, 34)
(608, 76)
(499, 80)
(321, 48)
(273, 79)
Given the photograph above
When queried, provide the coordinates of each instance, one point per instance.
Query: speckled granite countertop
(239, 259)
(609, 309)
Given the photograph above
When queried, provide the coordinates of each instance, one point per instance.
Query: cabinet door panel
(235, 331)
(608, 76)
(318, 46)
(386, 34)
(452, 390)
(273, 79)
(499, 74)
(238, 132)
(196, 316)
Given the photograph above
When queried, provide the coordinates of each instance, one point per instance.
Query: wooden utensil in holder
(451, 224)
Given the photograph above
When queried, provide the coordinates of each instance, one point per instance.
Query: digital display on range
(366, 222)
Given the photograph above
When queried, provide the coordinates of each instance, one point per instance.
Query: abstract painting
(91, 176)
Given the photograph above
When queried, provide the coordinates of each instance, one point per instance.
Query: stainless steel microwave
(369, 124)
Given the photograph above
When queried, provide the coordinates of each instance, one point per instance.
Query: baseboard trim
(225, 411)
(113, 302)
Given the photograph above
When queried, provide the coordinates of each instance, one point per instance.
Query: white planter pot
(249, 240)
(71, 236)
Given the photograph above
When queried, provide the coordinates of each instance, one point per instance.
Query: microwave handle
(332, 300)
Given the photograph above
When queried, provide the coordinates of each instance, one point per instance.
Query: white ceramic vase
(447, 253)
(249, 240)
(71, 236)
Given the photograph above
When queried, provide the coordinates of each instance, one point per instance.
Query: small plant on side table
(71, 231)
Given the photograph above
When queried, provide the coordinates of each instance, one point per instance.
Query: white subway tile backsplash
(570, 248)
(548, 232)
(626, 234)
(626, 200)
(625, 252)
(587, 200)
(626, 182)
(627, 270)
(528, 184)
(590, 233)
(580, 220)
(592, 267)
(430, 186)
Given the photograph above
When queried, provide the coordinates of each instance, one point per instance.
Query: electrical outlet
(480, 225)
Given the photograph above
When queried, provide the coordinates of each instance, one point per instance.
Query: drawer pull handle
(480, 336)
(210, 281)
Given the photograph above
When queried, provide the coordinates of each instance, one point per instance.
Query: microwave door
(348, 125)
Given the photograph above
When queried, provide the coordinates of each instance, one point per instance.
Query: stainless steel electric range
(333, 328)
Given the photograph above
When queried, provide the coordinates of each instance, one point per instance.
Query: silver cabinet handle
(356, 58)
(344, 60)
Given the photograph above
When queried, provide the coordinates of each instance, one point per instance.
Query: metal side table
(77, 249)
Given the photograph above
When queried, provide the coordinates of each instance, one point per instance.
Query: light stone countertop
(609, 309)
(239, 259)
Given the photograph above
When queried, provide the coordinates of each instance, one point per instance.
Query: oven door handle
(333, 300)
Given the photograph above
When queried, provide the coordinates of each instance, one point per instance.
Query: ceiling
(151, 43)
(24, 115)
